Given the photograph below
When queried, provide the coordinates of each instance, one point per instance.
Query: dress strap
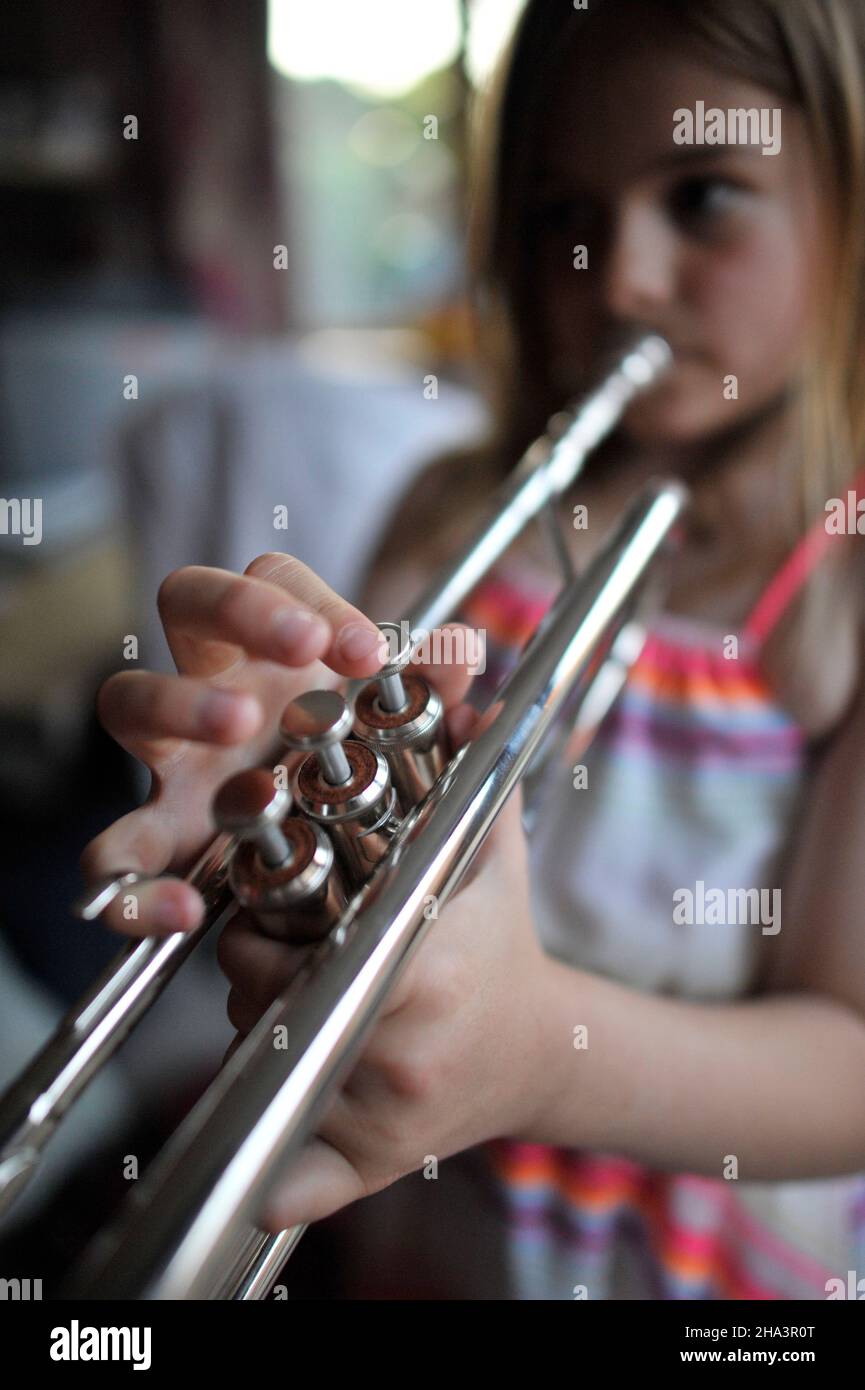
(793, 574)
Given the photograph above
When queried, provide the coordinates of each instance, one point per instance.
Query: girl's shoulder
(439, 508)
(433, 516)
(815, 657)
(813, 660)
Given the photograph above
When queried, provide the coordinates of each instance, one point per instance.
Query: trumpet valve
(252, 807)
(283, 870)
(342, 784)
(402, 716)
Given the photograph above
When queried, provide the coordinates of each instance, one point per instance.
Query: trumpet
(379, 821)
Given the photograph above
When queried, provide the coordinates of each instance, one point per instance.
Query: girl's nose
(640, 269)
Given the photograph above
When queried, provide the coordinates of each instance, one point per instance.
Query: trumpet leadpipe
(547, 469)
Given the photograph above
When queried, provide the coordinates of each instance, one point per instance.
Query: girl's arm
(776, 1081)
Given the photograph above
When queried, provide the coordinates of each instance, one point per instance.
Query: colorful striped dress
(696, 775)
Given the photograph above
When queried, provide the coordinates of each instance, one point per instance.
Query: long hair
(812, 54)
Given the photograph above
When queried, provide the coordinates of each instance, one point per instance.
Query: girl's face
(715, 247)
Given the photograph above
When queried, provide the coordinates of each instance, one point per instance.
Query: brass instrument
(379, 819)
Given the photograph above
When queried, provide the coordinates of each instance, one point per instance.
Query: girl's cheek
(755, 310)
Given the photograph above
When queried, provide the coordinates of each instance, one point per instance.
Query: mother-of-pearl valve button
(251, 807)
(317, 722)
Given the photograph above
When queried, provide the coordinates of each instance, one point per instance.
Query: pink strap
(785, 585)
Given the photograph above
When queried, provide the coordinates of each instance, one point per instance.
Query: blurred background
(232, 257)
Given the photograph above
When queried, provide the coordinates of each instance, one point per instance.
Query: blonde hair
(812, 53)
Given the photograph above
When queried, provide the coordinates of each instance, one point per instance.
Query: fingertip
(274, 1223)
(157, 908)
(299, 636)
(281, 1210)
(285, 1205)
(230, 717)
(359, 649)
(179, 907)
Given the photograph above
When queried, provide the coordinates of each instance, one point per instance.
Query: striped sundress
(696, 776)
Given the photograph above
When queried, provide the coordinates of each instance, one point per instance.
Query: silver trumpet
(377, 822)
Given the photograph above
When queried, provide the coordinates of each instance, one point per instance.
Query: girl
(662, 1104)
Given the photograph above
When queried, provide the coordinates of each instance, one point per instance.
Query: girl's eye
(702, 203)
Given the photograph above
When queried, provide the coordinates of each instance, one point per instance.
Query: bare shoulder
(815, 659)
(820, 947)
(430, 521)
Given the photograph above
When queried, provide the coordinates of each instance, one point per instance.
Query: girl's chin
(670, 418)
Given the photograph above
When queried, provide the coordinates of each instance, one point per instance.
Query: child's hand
(454, 1057)
(244, 646)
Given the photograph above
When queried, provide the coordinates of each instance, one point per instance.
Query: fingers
(142, 843)
(319, 1182)
(138, 708)
(159, 908)
(258, 968)
(279, 610)
(453, 672)
(241, 1014)
(138, 841)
